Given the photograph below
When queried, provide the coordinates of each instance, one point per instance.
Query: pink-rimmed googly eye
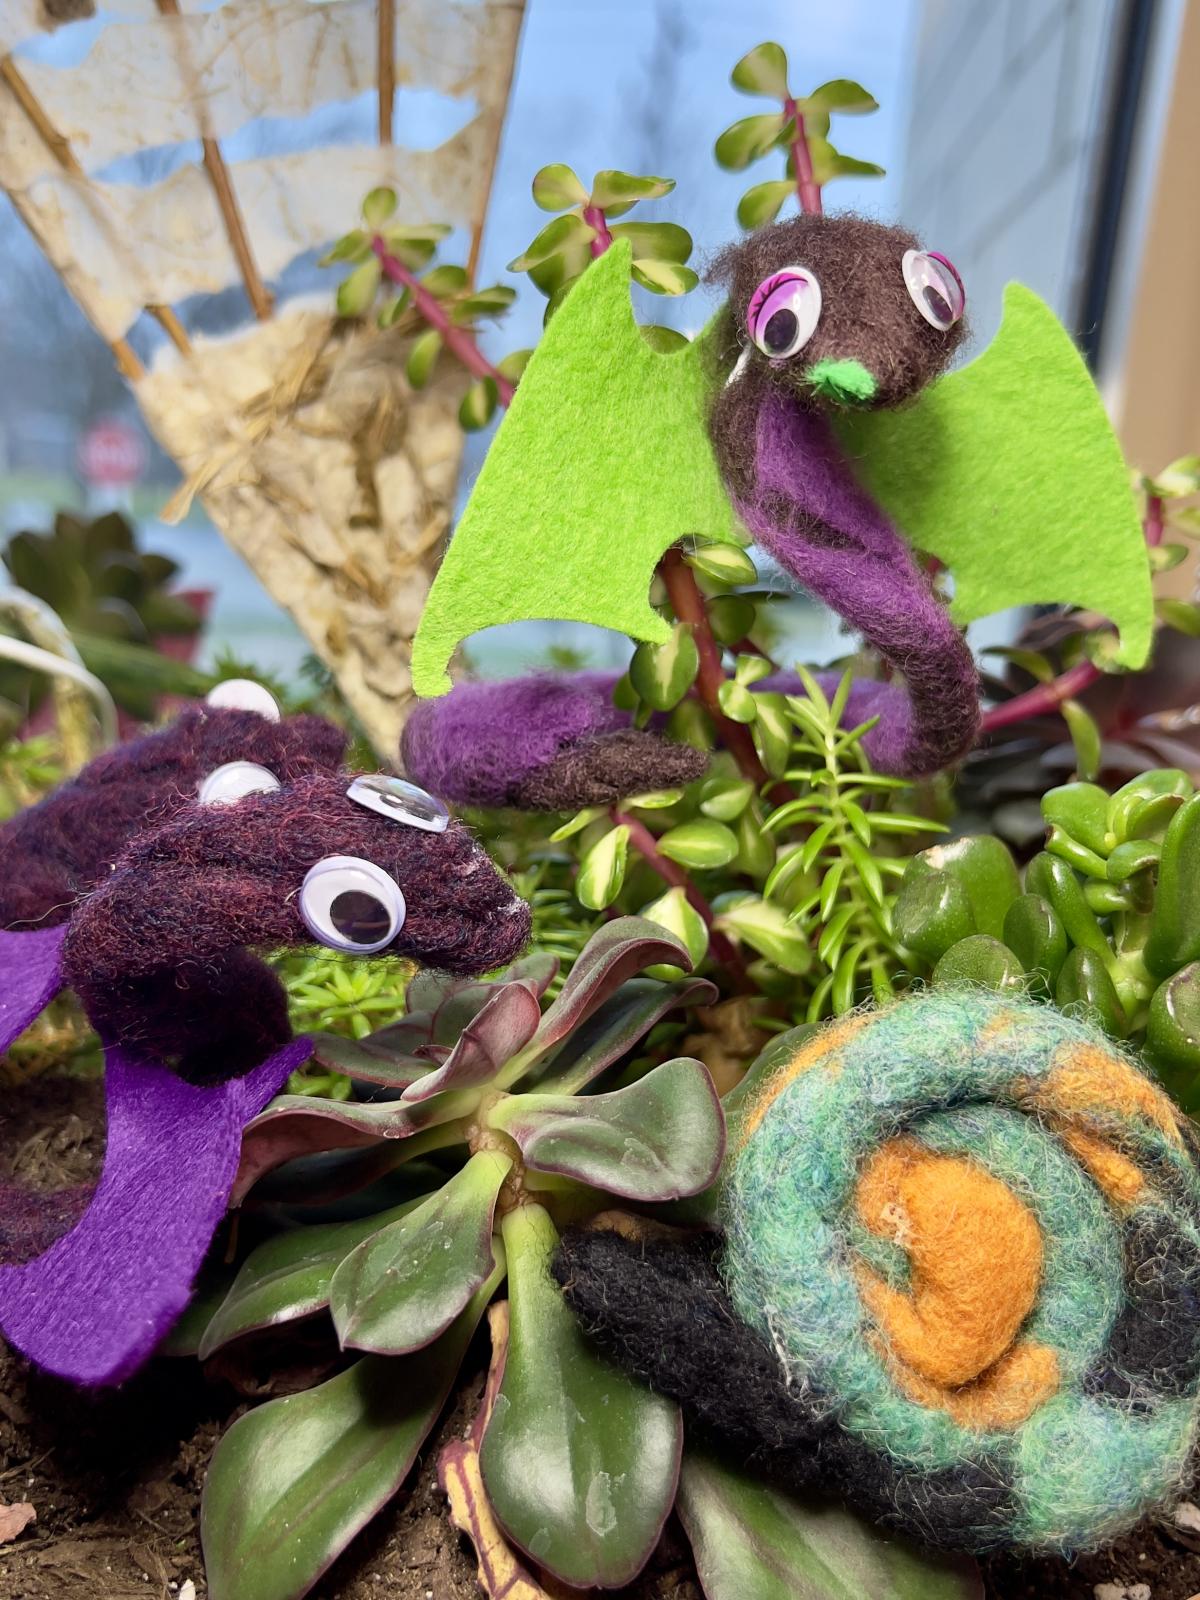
(784, 311)
(934, 287)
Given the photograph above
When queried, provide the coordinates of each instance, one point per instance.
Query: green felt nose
(847, 382)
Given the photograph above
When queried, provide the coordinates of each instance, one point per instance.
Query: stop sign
(112, 454)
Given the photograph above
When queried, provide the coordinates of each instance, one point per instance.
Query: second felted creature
(957, 1280)
(195, 1026)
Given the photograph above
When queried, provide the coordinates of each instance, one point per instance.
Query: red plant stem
(688, 604)
(807, 188)
(1046, 697)
(458, 341)
(595, 218)
(642, 840)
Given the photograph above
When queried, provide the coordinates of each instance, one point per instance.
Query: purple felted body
(547, 742)
(806, 508)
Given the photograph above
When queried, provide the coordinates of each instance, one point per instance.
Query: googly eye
(243, 694)
(226, 785)
(401, 801)
(352, 905)
(934, 287)
(783, 312)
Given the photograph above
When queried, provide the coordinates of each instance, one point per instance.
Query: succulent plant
(1107, 917)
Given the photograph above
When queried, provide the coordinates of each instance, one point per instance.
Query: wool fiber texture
(966, 1232)
(548, 742)
(56, 850)
(159, 951)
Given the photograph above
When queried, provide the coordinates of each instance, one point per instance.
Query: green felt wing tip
(1009, 472)
(601, 464)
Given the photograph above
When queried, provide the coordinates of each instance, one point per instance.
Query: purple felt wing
(95, 1305)
(30, 977)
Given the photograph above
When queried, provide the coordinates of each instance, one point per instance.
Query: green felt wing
(601, 464)
(1009, 472)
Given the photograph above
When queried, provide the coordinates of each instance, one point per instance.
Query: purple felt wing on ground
(95, 1305)
(30, 977)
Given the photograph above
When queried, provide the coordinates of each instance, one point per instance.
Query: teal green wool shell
(996, 1081)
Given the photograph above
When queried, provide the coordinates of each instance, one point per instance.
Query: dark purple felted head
(840, 311)
(158, 952)
(59, 848)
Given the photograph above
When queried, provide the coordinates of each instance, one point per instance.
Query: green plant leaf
(932, 912)
(762, 70)
(293, 1481)
(745, 141)
(662, 241)
(579, 1462)
(1081, 810)
(378, 207)
(765, 927)
(664, 277)
(1085, 736)
(736, 701)
(1178, 480)
(1173, 1035)
(392, 310)
(556, 187)
(762, 203)
(1037, 938)
(504, 1024)
(514, 364)
(982, 961)
(662, 674)
(752, 1542)
(612, 189)
(659, 1139)
(675, 912)
(984, 866)
(288, 1277)
(493, 301)
(1174, 939)
(581, 820)
(352, 246)
(602, 870)
(478, 405)
(843, 96)
(1084, 981)
(356, 293)
(732, 616)
(661, 338)
(723, 563)
(556, 237)
(406, 1283)
(615, 1027)
(699, 844)
(422, 358)
(725, 798)
(772, 732)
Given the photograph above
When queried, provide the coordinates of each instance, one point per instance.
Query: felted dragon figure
(814, 407)
(143, 885)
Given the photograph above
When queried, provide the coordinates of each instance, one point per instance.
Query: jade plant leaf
(754, 1543)
(580, 1463)
(531, 542)
(504, 1025)
(661, 1138)
(289, 1276)
(292, 1482)
(407, 1282)
(954, 471)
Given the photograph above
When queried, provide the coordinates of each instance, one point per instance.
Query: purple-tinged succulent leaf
(30, 977)
(403, 1285)
(368, 1060)
(299, 1125)
(752, 1542)
(619, 950)
(662, 1138)
(615, 1027)
(579, 1462)
(288, 1277)
(505, 1024)
(459, 1010)
(95, 1305)
(293, 1481)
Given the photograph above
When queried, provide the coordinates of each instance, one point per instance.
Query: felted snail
(957, 1280)
(227, 832)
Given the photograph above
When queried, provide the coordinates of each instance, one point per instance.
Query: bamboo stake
(385, 70)
(485, 198)
(227, 204)
(60, 149)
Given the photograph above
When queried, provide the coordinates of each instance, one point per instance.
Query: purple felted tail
(30, 977)
(96, 1304)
